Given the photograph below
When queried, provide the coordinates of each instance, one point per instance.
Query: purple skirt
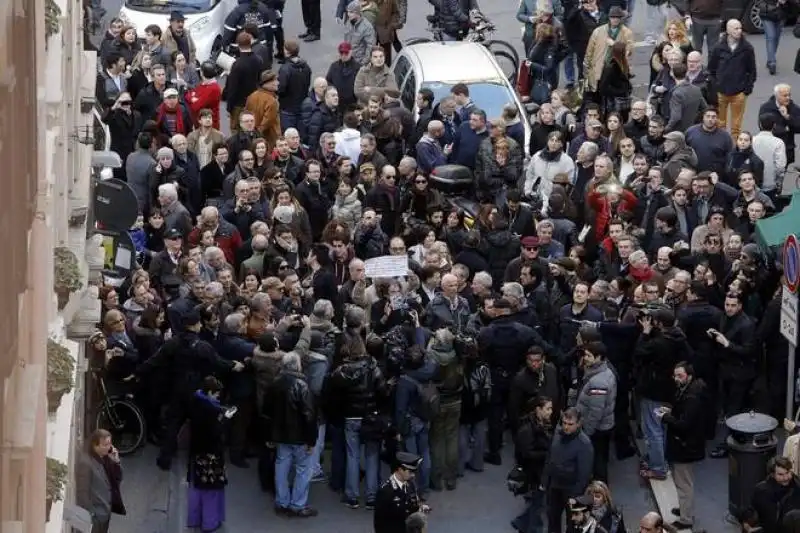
(206, 509)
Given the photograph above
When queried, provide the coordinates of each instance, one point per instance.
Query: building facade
(47, 120)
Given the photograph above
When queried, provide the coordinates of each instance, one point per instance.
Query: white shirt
(117, 79)
(772, 152)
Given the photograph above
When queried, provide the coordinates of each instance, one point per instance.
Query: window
(408, 94)
(401, 68)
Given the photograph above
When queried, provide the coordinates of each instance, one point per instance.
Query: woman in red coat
(608, 201)
(207, 95)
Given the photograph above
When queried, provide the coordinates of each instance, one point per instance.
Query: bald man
(430, 152)
(735, 75)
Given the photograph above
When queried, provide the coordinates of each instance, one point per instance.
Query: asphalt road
(481, 502)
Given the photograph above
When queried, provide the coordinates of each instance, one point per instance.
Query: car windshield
(165, 6)
(488, 96)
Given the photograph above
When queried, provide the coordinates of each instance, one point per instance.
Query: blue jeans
(338, 458)
(290, 455)
(472, 445)
(319, 447)
(417, 443)
(654, 435)
(569, 68)
(352, 427)
(772, 36)
(531, 521)
(290, 120)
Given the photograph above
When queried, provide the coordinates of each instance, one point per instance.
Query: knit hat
(165, 152)
(354, 7)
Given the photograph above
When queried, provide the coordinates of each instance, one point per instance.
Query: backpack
(479, 384)
(428, 401)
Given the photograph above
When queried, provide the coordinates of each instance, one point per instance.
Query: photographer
(660, 346)
(240, 212)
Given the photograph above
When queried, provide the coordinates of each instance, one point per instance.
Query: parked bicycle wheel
(507, 65)
(417, 40)
(126, 424)
(503, 46)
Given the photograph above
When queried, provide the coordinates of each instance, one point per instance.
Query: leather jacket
(292, 410)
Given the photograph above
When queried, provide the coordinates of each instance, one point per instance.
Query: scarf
(162, 117)
(599, 511)
(551, 157)
(613, 33)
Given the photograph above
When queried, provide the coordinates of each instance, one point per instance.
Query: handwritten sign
(386, 266)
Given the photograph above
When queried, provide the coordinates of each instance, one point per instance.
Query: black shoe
(625, 452)
(676, 511)
(450, 485)
(352, 504)
(164, 464)
(493, 459)
(311, 37)
(370, 506)
(772, 69)
(472, 468)
(677, 524)
(282, 511)
(303, 35)
(720, 452)
(305, 512)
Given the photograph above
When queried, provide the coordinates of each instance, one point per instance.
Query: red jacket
(603, 209)
(227, 239)
(205, 96)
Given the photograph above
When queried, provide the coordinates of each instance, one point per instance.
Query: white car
(204, 19)
(438, 66)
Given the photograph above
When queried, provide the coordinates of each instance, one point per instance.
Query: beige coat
(597, 50)
(168, 41)
(371, 80)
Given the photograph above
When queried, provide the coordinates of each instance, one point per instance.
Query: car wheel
(751, 18)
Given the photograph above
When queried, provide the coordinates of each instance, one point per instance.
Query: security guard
(253, 13)
(397, 498)
(187, 360)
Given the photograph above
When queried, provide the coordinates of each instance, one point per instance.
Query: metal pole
(790, 379)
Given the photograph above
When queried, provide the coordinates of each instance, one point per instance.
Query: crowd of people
(612, 276)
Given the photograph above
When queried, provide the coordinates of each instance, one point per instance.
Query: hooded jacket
(683, 157)
(294, 81)
(348, 143)
(347, 209)
(596, 398)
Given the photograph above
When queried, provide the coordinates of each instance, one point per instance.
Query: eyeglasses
(421, 181)
(126, 102)
(531, 248)
(283, 267)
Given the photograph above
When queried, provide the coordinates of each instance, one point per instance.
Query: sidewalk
(153, 498)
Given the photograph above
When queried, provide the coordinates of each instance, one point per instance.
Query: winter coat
(686, 424)
(294, 81)
(544, 166)
(654, 358)
(342, 75)
(376, 79)
(264, 106)
(596, 399)
(323, 120)
(734, 72)
(597, 50)
(347, 209)
(170, 44)
(569, 465)
(361, 36)
(348, 143)
(531, 447)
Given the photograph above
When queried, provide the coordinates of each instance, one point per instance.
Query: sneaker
(305, 512)
(311, 37)
(370, 506)
(303, 35)
(282, 511)
(319, 478)
(352, 504)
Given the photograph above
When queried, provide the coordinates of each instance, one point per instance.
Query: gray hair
(291, 361)
(546, 223)
(215, 289)
(590, 148)
(177, 138)
(409, 162)
(234, 322)
(460, 270)
(354, 317)
(168, 190)
(781, 87)
(291, 132)
(416, 522)
(483, 278)
(323, 309)
(512, 289)
(683, 275)
(602, 285)
(259, 227)
(260, 242)
(260, 302)
(637, 256)
(242, 185)
(211, 252)
(325, 137)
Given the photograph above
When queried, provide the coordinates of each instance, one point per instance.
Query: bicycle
(121, 417)
(481, 30)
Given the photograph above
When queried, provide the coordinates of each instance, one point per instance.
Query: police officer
(397, 498)
(253, 13)
(186, 359)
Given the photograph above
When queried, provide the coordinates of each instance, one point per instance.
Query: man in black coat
(243, 79)
(775, 496)
(738, 359)
(686, 443)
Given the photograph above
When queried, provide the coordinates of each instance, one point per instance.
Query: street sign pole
(789, 323)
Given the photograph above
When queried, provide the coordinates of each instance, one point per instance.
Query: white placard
(789, 316)
(386, 266)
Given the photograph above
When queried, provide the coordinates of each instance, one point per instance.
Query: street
(481, 503)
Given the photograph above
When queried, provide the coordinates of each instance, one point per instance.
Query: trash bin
(751, 444)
